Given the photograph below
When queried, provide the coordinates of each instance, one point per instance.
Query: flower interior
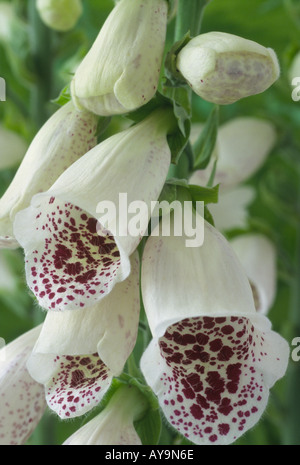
(78, 384)
(76, 262)
(213, 387)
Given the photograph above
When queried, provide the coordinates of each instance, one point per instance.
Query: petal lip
(212, 375)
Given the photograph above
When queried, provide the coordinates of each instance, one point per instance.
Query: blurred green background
(37, 64)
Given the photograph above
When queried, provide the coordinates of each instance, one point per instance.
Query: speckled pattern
(211, 385)
(78, 384)
(22, 402)
(76, 263)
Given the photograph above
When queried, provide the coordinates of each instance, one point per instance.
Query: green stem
(189, 17)
(40, 42)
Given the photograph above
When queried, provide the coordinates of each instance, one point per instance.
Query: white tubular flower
(258, 257)
(223, 68)
(121, 71)
(243, 145)
(60, 15)
(65, 137)
(72, 260)
(114, 425)
(13, 148)
(78, 353)
(213, 358)
(231, 211)
(22, 399)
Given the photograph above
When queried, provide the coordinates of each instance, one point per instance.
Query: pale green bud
(223, 68)
(121, 71)
(60, 15)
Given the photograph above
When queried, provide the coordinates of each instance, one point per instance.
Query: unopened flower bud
(223, 68)
(121, 71)
(60, 15)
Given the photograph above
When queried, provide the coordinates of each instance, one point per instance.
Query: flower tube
(65, 137)
(22, 398)
(60, 15)
(120, 73)
(242, 147)
(223, 68)
(258, 257)
(73, 260)
(213, 358)
(114, 425)
(78, 353)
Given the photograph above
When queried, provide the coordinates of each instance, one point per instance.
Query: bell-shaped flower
(223, 68)
(257, 254)
(60, 15)
(213, 358)
(22, 398)
(78, 353)
(13, 148)
(73, 260)
(65, 137)
(242, 147)
(114, 425)
(232, 209)
(121, 71)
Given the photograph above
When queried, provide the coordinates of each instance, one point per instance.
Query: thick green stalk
(40, 43)
(189, 17)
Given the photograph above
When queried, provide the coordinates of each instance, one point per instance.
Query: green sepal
(64, 96)
(173, 76)
(173, 190)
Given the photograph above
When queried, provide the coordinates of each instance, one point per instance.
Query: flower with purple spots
(78, 353)
(65, 137)
(213, 358)
(22, 398)
(72, 260)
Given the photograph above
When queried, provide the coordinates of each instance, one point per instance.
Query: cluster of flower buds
(213, 357)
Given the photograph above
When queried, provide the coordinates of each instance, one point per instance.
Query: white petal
(192, 281)
(66, 136)
(212, 375)
(22, 399)
(76, 356)
(61, 223)
(223, 68)
(243, 144)
(231, 211)
(121, 71)
(258, 257)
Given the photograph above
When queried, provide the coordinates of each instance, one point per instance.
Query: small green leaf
(64, 97)
(196, 193)
(205, 144)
